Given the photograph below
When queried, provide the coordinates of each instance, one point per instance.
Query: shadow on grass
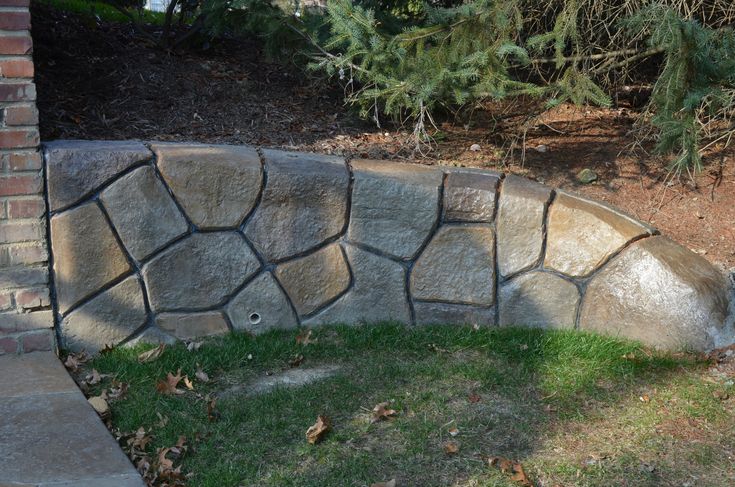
(517, 393)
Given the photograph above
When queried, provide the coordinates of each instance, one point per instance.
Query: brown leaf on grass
(188, 383)
(168, 386)
(99, 403)
(75, 360)
(212, 414)
(118, 389)
(304, 338)
(95, 377)
(721, 395)
(296, 360)
(201, 375)
(381, 411)
(152, 354)
(139, 441)
(194, 346)
(390, 483)
(451, 447)
(645, 398)
(514, 470)
(316, 432)
(453, 431)
(474, 398)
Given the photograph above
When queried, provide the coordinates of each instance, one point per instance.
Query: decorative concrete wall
(179, 241)
(25, 311)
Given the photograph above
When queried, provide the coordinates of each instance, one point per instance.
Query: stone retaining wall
(166, 241)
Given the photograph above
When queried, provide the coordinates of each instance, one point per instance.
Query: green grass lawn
(573, 408)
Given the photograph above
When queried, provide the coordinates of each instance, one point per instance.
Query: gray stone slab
(377, 295)
(186, 326)
(457, 266)
(261, 306)
(151, 335)
(395, 206)
(107, 319)
(452, 314)
(316, 279)
(86, 254)
(304, 203)
(660, 293)
(582, 234)
(77, 168)
(469, 196)
(199, 271)
(33, 373)
(49, 434)
(540, 300)
(143, 213)
(217, 185)
(520, 224)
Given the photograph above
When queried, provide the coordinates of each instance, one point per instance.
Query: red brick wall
(25, 315)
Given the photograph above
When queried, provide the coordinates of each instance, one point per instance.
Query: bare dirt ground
(96, 80)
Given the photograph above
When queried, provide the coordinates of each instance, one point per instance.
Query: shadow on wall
(186, 240)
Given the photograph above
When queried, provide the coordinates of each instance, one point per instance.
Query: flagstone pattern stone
(307, 240)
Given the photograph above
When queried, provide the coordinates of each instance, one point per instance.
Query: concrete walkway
(49, 434)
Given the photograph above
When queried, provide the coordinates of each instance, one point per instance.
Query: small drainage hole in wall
(254, 318)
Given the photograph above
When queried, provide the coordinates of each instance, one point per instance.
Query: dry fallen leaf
(381, 411)
(645, 398)
(188, 383)
(212, 414)
(296, 361)
(453, 431)
(194, 346)
(95, 377)
(152, 354)
(100, 405)
(721, 395)
(513, 469)
(316, 432)
(75, 360)
(390, 483)
(474, 398)
(168, 386)
(118, 389)
(304, 338)
(451, 447)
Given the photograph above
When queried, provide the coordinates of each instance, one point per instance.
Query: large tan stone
(186, 326)
(659, 293)
(469, 195)
(452, 314)
(86, 254)
(520, 224)
(77, 168)
(304, 203)
(199, 271)
(314, 280)
(217, 185)
(395, 206)
(378, 293)
(261, 306)
(582, 234)
(457, 266)
(107, 319)
(538, 299)
(143, 213)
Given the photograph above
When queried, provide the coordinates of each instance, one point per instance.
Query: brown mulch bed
(96, 80)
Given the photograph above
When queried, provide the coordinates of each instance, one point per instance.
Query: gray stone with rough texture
(261, 306)
(77, 168)
(659, 293)
(304, 203)
(288, 378)
(314, 280)
(457, 266)
(452, 314)
(49, 434)
(469, 196)
(107, 319)
(86, 254)
(378, 293)
(217, 185)
(520, 224)
(395, 206)
(199, 271)
(186, 326)
(143, 213)
(582, 234)
(151, 335)
(538, 299)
